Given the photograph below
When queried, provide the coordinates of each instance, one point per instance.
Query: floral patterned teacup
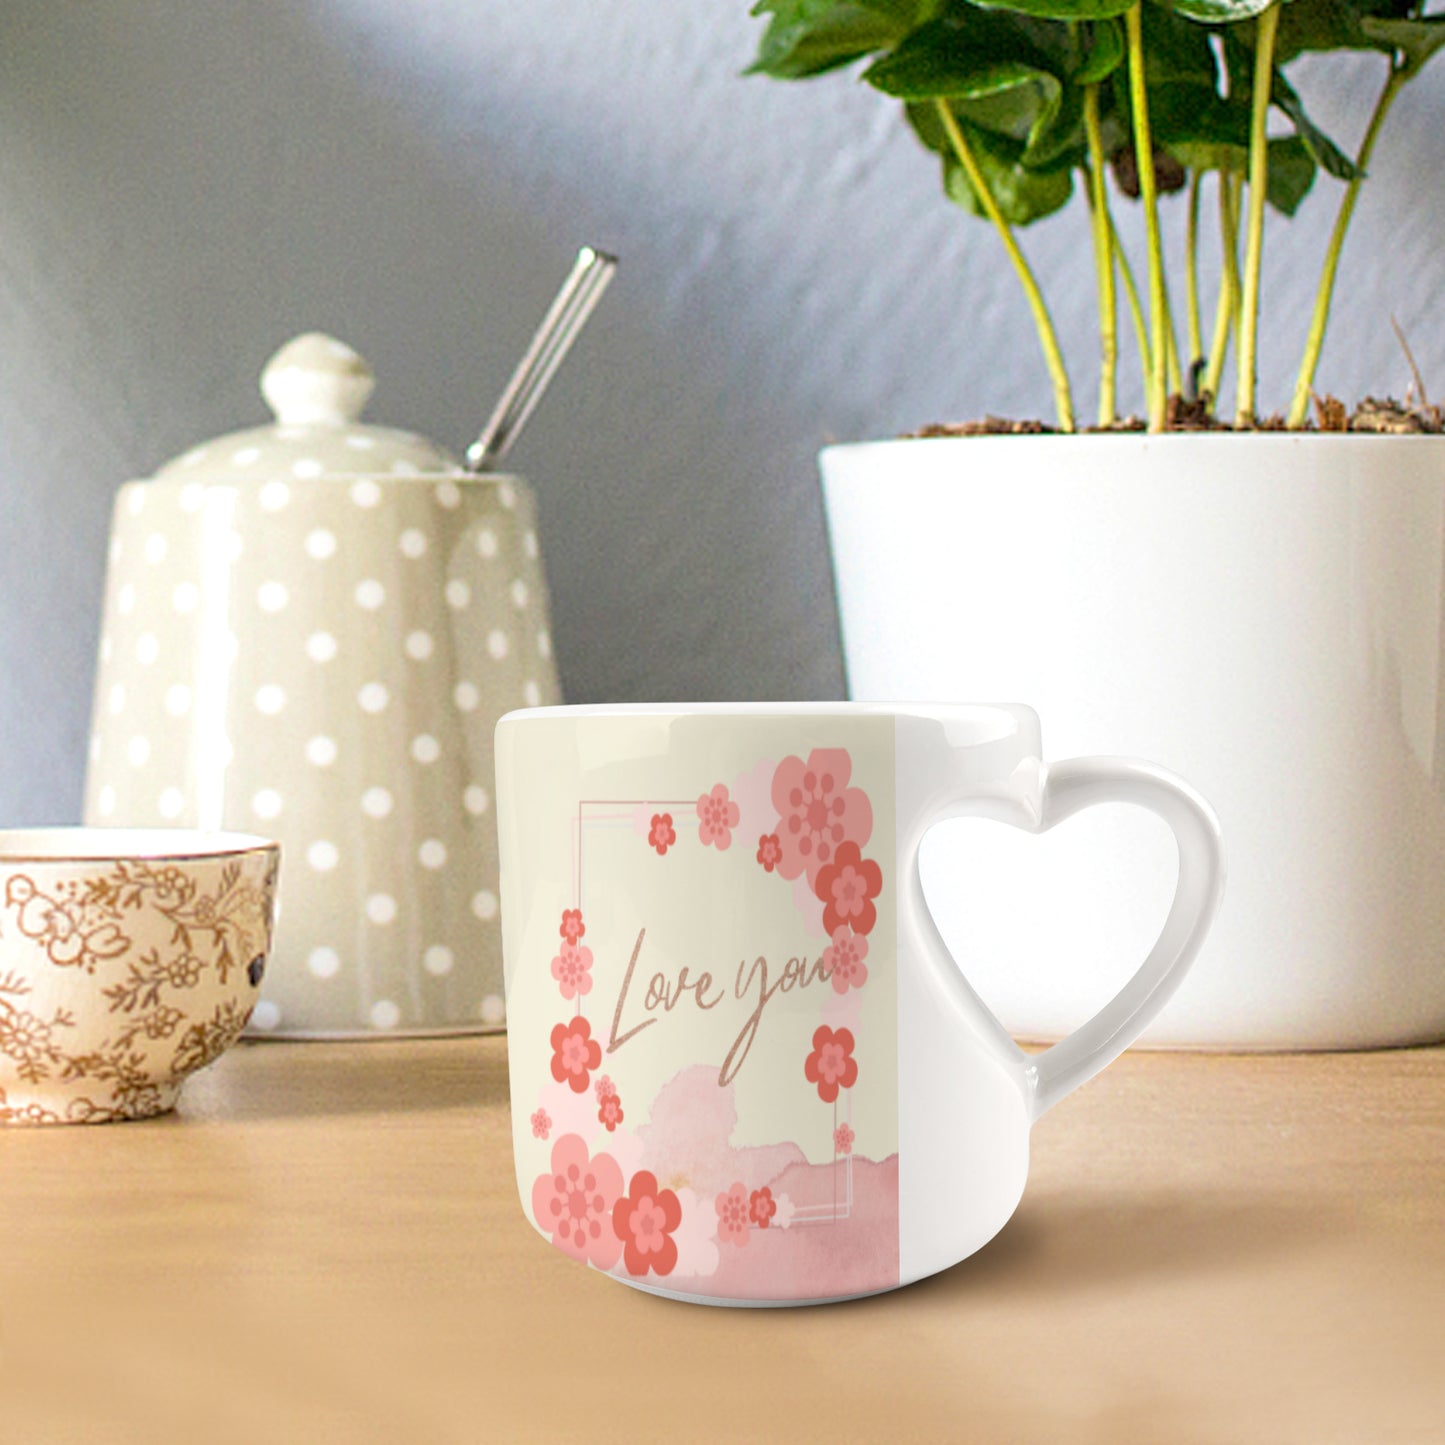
(745, 1069)
(128, 960)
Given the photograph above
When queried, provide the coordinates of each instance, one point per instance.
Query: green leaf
(1325, 152)
(1292, 171)
(1062, 9)
(1416, 40)
(808, 37)
(1221, 12)
(1105, 53)
(1023, 193)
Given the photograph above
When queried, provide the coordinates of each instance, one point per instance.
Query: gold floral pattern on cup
(121, 975)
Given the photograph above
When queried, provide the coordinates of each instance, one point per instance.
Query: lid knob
(316, 379)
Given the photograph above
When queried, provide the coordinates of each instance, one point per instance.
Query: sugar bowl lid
(317, 387)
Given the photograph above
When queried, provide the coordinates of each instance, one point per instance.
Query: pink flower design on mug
(541, 1124)
(732, 1215)
(848, 885)
(843, 1137)
(644, 1220)
(572, 968)
(831, 1065)
(574, 1054)
(717, 817)
(572, 926)
(609, 1111)
(662, 835)
(575, 1200)
(770, 851)
(843, 959)
(818, 811)
(762, 1206)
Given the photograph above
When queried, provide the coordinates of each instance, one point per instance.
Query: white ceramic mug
(744, 1068)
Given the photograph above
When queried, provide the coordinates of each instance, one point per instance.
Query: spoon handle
(581, 291)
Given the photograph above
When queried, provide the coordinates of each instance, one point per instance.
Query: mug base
(683, 1297)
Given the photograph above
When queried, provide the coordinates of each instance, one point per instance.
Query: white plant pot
(1263, 614)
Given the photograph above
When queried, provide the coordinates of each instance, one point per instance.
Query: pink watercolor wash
(818, 811)
(575, 1201)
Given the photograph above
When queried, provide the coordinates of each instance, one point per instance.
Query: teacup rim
(87, 844)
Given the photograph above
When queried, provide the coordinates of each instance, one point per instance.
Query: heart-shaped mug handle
(1057, 791)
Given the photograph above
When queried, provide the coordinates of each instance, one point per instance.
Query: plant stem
(1131, 295)
(1048, 337)
(1314, 344)
(1156, 387)
(1267, 28)
(1103, 262)
(1226, 314)
(1191, 270)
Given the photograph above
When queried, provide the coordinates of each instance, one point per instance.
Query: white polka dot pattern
(325, 664)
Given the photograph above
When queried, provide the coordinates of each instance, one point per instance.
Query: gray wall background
(184, 184)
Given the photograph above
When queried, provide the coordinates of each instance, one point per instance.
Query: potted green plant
(1256, 602)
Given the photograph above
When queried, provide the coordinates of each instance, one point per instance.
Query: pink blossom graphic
(848, 885)
(541, 1124)
(818, 810)
(717, 817)
(762, 1207)
(732, 1215)
(572, 969)
(609, 1111)
(843, 1137)
(604, 1086)
(644, 1220)
(662, 835)
(844, 959)
(574, 1053)
(831, 1065)
(574, 1202)
(572, 926)
(770, 851)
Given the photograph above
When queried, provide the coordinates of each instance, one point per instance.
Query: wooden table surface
(325, 1244)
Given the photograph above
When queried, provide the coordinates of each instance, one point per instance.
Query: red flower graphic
(762, 1206)
(572, 926)
(541, 1124)
(848, 885)
(732, 1215)
(644, 1220)
(718, 815)
(831, 1065)
(662, 835)
(843, 1137)
(610, 1111)
(574, 1202)
(572, 969)
(770, 851)
(818, 811)
(574, 1053)
(844, 959)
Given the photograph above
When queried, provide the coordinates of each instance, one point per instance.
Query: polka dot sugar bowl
(310, 629)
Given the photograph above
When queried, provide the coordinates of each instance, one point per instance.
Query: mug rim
(835, 708)
(85, 844)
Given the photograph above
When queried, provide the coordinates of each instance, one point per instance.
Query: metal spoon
(581, 291)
